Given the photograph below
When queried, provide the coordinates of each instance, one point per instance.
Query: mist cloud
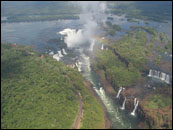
(91, 10)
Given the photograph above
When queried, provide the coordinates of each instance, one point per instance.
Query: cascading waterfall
(160, 75)
(136, 102)
(102, 91)
(78, 65)
(123, 106)
(119, 91)
(64, 52)
(56, 56)
(72, 37)
(102, 48)
(60, 54)
(92, 45)
(118, 120)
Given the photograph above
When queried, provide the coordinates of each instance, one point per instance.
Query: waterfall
(78, 65)
(167, 79)
(135, 101)
(123, 106)
(92, 45)
(56, 56)
(150, 73)
(102, 91)
(60, 54)
(64, 52)
(160, 75)
(136, 105)
(72, 37)
(119, 91)
(102, 47)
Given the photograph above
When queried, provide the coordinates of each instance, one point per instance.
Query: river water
(43, 37)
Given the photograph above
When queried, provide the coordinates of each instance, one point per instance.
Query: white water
(78, 65)
(160, 75)
(123, 106)
(56, 56)
(116, 117)
(92, 45)
(135, 101)
(64, 52)
(51, 53)
(119, 91)
(102, 47)
(118, 120)
(60, 54)
(136, 105)
(72, 37)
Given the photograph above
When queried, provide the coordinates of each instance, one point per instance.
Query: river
(39, 34)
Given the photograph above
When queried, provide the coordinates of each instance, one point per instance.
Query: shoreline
(91, 90)
(146, 119)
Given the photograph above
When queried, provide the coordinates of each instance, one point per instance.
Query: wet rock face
(129, 106)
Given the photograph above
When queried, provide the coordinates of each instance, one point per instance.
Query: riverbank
(88, 85)
(154, 107)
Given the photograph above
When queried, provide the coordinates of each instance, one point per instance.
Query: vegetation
(111, 28)
(38, 11)
(158, 59)
(158, 107)
(151, 31)
(124, 60)
(131, 48)
(168, 46)
(159, 11)
(110, 18)
(39, 18)
(39, 92)
(158, 101)
(163, 37)
(132, 20)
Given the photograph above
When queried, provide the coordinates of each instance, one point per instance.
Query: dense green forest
(156, 10)
(39, 92)
(125, 60)
(28, 11)
(123, 63)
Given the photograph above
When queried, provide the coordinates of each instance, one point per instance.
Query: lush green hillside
(39, 92)
(124, 59)
(124, 63)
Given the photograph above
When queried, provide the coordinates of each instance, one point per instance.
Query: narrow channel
(119, 118)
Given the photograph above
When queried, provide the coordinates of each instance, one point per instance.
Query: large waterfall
(160, 75)
(136, 102)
